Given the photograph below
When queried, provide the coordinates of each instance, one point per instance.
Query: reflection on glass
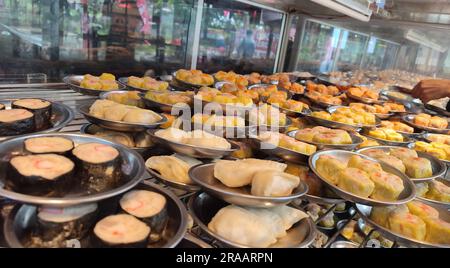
(351, 51)
(380, 54)
(124, 37)
(237, 36)
(319, 46)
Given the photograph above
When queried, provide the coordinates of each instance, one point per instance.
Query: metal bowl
(364, 211)
(164, 107)
(438, 167)
(174, 184)
(73, 81)
(281, 152)
(322, 146)
(124, 82)
(203, 175)
(187, 84)
(409, 119)
(344, 244)
(90, 129)
(407, 195)
(61, 116)
(132, 169)
(406, 139)
(436, 202)
(23, 219)
(118, 125)
(203, 207)
(364, 100)
(190, 150)
(105, 96)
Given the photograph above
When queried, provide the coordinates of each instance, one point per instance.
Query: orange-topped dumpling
(387, 186)
(355, 181)
(422, 210)
(408, 225)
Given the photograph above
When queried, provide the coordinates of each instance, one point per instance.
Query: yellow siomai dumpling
(422, 210)
(328, 167)
(366, 165)
(438, 191)
(403, 153)
(438, 231)
(407, 225)
(387, 186)
(418, 167)
(355, 181)
(393, 161)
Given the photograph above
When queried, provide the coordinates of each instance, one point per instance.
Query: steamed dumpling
(172, 134)
(141, 116)
(240, 172)
(97, 109)
(170, 168)
(116, 112)
(202, 138)
(273, 183)
(289, 215)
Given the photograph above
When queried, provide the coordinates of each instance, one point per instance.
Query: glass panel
(125, 37)
(380, 54)
(237, 36)
(351, 51)
(318, 49)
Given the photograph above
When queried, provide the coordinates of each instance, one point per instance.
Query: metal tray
(203, 207)
(132, 169)
(333, 124)
(192, 151)
(174, 184)
(228, 132)
(406, 139)
(282, 129)
(189, 85)
(124, 82)
(166, 108)
(364, 212)
(105, 95)
(88, 129)
(317, 103)
(407, 100)
(436, 202)
(283, 153)
(322, 146)
(364, 100)
(203, 175)
(438, 167)
(409, 119)
(291, 112)
(118, 125)
(407, 195)
(61, 116)
(73, 81)
(438, 110)
(23, 219)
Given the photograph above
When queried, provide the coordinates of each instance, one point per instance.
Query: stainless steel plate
(426, 136)
(228, 132)
(406, 139)
(193, 151)
(22, 220)
(446, 162)
(437, 109)
(203, 175)
(174, 184)
(282, 129)
(364, 211)
(132, 169)
(438, 167)
(118, 125)
(283, 153)
(291, 112)
(407, 195)
(406, 100)
(364, 100)
(61, 116)
(320, 104)
(203, 207)
(124, 82)
(165, 108)
(73, 81)
(409, 119)
(322, 146)
(90, 129)
(436, 202)
(105, 95)
(187, 84)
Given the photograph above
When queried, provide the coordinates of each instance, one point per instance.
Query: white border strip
(197, 29)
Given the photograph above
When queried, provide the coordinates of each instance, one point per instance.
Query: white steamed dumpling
(273, 183)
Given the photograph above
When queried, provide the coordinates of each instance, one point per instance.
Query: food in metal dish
(45, 145)
(436, 149)
(397, 126)
(147, 83)
(195, 77)
(293, 87)
(110, 110)
(253, 78)
(254, 227)
(173, 167)
(121, 230)
(223, 98)
(361, 177)
(363, 92)
(386, 134)
(366, 141)
(42, 110)
(276, 77)
(292, 105)
(218, 120)
(42, 174)
(427, 120)
(347, 116)
(223, 170)
(273, 183)
(322, 89)
(315, 185)
(439, 138)
(149, 207)
(405, 160)
(323, 135)
(16, 121)
(325, 98)
(128, 98)
(244, 151)
(267, 115)
(128, 139)
(434, 190)
(284, 141)
(170, 97)
(416, 220)
(56, 225)
(395, 107)
(197, 137)
(231, 77)
(105, 81)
